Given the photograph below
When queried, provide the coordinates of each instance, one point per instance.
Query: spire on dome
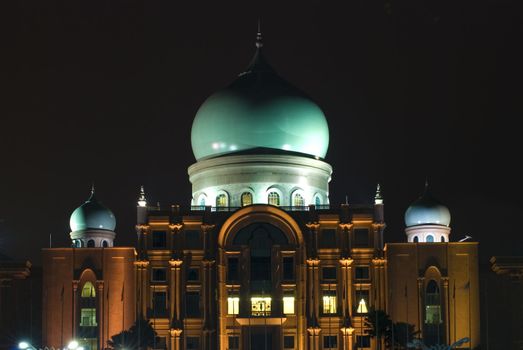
(91, 196)
(142, 201)
(259, 42)
(378, 199)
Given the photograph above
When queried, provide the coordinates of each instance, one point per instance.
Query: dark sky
(106, 91)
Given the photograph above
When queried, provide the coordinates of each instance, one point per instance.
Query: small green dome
(426, 210)
(259, 110)
(92, 215)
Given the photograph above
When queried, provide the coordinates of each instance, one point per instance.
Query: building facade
(260, 259)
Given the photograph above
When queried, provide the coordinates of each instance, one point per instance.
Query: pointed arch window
(88, 290)
(273, 198)
(317, 200)
(297, 200)
(221, 200)
(246, 198)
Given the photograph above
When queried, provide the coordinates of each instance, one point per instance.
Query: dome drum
(294, 179)
(427, 234)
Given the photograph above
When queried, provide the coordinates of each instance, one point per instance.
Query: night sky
(106, 91)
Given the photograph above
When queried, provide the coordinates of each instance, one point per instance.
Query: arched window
(317, 200)
(90, 243)
(221, 200)
(77, 243)
(416, 239)
(297, 200)
(88, 290)
(443, 238)
(430, 239)
(246, 198)
(273, 198)
(105, 244)
(432, 304)
(202, 201)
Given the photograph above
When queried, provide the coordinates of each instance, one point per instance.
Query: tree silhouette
(140, 336)
(379, 324)
(404, 333)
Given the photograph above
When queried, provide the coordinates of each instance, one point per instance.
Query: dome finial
(378, 199)
(259, 42)
(91, 196)
(142, 201)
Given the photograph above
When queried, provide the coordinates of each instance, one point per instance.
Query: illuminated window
(430, 238)
(233, 305)
(329, 302)
(317, 200)
(362, 301)
(88, 317)
(432, 304)
(221, 200)
(261, 306)
(88, 290)
(246, 198)
(274, 198)
(297, 200)
(288, 305)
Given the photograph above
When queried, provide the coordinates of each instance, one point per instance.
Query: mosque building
(260, 259)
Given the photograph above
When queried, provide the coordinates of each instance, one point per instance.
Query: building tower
(88, 288)
(433, 283)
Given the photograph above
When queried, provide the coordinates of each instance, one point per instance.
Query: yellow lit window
(221, 200)
(233, 305)
(362, 307)
(88, 290)
(329, 302)
(274, 198)
(246, 198)
(288, 305)
(298, 200)
(261, 306)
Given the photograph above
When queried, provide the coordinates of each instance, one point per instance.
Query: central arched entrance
(261, 280)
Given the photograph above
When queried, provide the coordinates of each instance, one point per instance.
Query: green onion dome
(259, 110)
(92, 215)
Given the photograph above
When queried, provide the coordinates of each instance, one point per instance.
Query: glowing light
(233, 305)
(23, 345)
(261, 306)
(215, 145)
(362, 307)
(288, 305)
(329, 304)
(233, 147)
(73, 344)
(286, 147)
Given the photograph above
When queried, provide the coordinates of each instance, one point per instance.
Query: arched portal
(261, 277)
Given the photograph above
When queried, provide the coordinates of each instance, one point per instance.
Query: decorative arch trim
(260, 213)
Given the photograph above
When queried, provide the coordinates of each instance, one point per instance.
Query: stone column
(314, 338)
(345, 240)
(209, 329)
(175, 292)
(75, 308)
(445, 282)
(378, 265)
(346, 333)
(102, 322)
(314, 286)
(420, 298)
(174, 245)
(346, 285)
(141, 284)
(175, 339)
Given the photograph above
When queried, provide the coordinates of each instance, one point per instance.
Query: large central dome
(259, 110)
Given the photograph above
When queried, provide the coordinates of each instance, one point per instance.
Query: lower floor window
(330, 342)
(288, 342)
(234, 342)
(363, 341)
(88, 317)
